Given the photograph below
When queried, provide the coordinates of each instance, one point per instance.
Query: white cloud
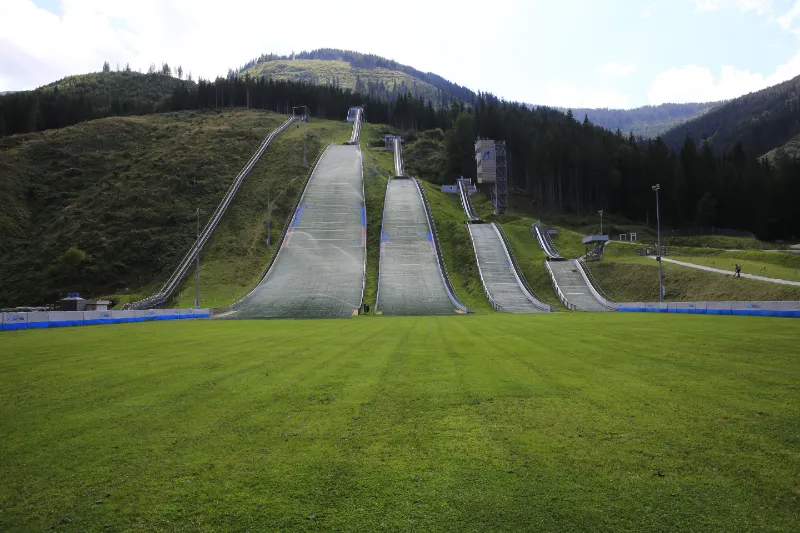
(789, 20)
(208, 36)
(759, 6)
(615, 68)
(693, 83)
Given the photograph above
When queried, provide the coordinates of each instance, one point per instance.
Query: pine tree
(165, 70)
(180, 72)
(106, 67)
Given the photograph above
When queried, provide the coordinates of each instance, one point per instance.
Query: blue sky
(616, 53)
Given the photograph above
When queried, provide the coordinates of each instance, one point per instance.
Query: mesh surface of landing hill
(410, 282)
(319, 270)
(497, 271)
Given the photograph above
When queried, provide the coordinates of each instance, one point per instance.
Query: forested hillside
(368, 74)
(646, 122)
(790, 149)
(85, 97)
(761, 121)
(562, 164)
(110, 204)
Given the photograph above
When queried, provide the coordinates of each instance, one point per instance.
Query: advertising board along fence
(55, 319)
(790, 309)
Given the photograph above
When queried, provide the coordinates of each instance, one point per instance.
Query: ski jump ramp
(411, 278)
(501, 282)
(574, 288)
(319, 270)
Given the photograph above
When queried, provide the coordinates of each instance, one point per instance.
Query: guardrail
(545, 243)
(365, 228)
(172, 282)
(587, 277)
(788, 309)
(356, 129)
(442, 267)
(278, 245)
(520, 277)
(563, 299)
(380, 248)
(399, 171)
(466, 203)
(492, 301)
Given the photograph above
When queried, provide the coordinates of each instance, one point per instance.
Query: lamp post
(601, 221)
(656, 188)
(197, 266)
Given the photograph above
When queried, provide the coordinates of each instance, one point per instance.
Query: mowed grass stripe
(612, 422)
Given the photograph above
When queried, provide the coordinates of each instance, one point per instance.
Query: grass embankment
(121, 191)
(480, 423)
(531, 257)
(524, 246)
(237, 254)
(714, 241)
(770, 264)
(627, 277)
(378, 169)
(456, 246)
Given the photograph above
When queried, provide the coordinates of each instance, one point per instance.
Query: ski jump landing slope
(410, 281)
(500, 280)
(575, 287)
(319, 270)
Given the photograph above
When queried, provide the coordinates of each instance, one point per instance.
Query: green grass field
(565, 422)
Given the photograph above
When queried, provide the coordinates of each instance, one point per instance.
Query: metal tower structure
(500, 186)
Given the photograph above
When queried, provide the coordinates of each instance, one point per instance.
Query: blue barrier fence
(773, 309)
(55, 319)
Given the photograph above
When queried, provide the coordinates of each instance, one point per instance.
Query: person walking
(738, 271)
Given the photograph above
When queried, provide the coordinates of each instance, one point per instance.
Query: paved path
(729, 272)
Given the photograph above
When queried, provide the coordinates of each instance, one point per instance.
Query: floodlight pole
(197, 266)
(656, 188)
(601, 221)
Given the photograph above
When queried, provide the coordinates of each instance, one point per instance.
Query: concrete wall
(781, 309)
(54, 319)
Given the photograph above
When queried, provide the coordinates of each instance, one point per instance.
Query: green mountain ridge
(368, 74)
(761, 121)
(646, 121)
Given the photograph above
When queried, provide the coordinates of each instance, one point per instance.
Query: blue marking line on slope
(430, 237)
(364, 216)
(297, 215)
(385, 237)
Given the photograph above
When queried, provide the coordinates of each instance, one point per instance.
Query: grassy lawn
(459, 256)
(378, 169)
(481, 423)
